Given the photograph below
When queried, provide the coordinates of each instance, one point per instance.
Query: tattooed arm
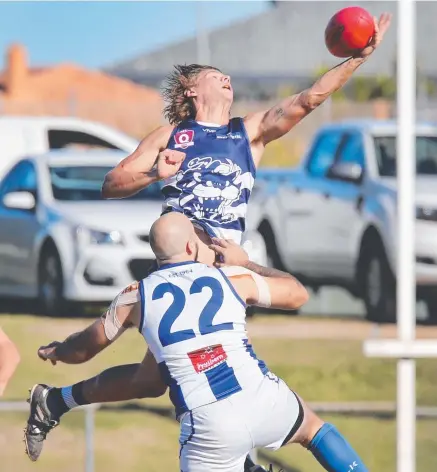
(268, 125)
(82, 346)
(285, 291)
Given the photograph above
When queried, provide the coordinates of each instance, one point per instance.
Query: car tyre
(50, 283)
(378, 284)
(431, 305)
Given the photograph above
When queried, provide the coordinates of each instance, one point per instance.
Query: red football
(349, 31)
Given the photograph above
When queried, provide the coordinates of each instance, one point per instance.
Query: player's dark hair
(180, 107)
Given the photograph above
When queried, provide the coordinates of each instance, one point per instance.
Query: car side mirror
(347, 172)
(19, 201)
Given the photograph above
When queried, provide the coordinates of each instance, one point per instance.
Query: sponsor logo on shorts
(184, 138)
(207, 358)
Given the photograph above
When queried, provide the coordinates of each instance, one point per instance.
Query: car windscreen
(426, 155)
(84, 183)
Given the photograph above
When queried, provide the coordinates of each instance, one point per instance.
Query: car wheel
(431, 305)
(50, 283)
(378, 285)
(273, 257)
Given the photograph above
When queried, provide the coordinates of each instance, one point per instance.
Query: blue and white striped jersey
(194, 323)
(215, 180)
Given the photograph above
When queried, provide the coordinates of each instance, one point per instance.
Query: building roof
(288, 41)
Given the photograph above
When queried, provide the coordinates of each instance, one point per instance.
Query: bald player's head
(173, 239)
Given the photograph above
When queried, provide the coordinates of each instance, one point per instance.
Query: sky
(98, 34)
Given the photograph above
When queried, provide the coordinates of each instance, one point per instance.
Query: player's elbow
(298, 297)
(302, 297)
(109, 187)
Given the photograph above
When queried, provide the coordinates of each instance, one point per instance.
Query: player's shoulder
(234, 271)
(160, 135)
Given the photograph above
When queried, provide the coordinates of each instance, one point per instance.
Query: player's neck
(174, 260)
(217, 114)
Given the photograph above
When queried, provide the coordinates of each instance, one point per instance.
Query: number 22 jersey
(194, 323)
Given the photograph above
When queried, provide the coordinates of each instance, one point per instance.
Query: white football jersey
(194, 323)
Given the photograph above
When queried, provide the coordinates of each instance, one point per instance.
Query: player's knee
(311, 424)
(148, 388)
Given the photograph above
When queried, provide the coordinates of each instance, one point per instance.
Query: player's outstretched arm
(149, 163)
(9, 360)
(256, 284)
(271, 124)
(123, 313)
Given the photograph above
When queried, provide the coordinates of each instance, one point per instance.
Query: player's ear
(190, 248)
(190, 92)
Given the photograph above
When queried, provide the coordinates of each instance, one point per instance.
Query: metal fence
(372, 409)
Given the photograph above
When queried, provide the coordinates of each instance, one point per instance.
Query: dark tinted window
(426, 155)
(59, 139)
(323, 154)
(76, 183)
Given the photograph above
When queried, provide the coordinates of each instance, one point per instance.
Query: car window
(323, 153)
(84, 183)
(352, 150)
(59, 138)
(21, 177)
(426, 155)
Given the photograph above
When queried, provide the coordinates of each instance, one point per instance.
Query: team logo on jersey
(184, 138)
(207, 358)
(211, 189)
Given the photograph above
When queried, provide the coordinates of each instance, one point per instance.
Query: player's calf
(327, 444)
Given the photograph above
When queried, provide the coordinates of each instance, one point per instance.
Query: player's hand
(169, 162)
(381, 28)
(231, 254)
(49, 352)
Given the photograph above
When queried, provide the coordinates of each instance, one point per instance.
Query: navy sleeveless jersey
(215, 180)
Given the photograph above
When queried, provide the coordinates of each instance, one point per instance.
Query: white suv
(333, 220)
(60, 242)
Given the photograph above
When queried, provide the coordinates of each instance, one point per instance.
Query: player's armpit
(136, 172)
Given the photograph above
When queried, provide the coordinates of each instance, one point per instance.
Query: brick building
(67, 89)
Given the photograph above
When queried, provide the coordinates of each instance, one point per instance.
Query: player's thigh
(214, 438)
(147, 378)
(277, 414)
(308, 429)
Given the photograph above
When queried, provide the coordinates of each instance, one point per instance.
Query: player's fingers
(217, 249)
(384, 23)
(220, 242)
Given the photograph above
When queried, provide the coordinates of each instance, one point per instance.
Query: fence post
(89, 438)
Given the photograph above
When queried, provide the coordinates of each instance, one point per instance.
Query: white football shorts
(217, 437)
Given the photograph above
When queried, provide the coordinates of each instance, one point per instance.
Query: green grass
(326, 370)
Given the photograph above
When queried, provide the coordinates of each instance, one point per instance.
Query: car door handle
(327, 195)
(359, 203)
(296, 189)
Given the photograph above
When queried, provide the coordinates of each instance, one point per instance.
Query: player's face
(212, 85)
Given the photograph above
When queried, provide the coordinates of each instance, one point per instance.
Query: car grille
(140, 268)
(145, 238)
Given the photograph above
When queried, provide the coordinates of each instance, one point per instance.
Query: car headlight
(426, 214)
(87, 236)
